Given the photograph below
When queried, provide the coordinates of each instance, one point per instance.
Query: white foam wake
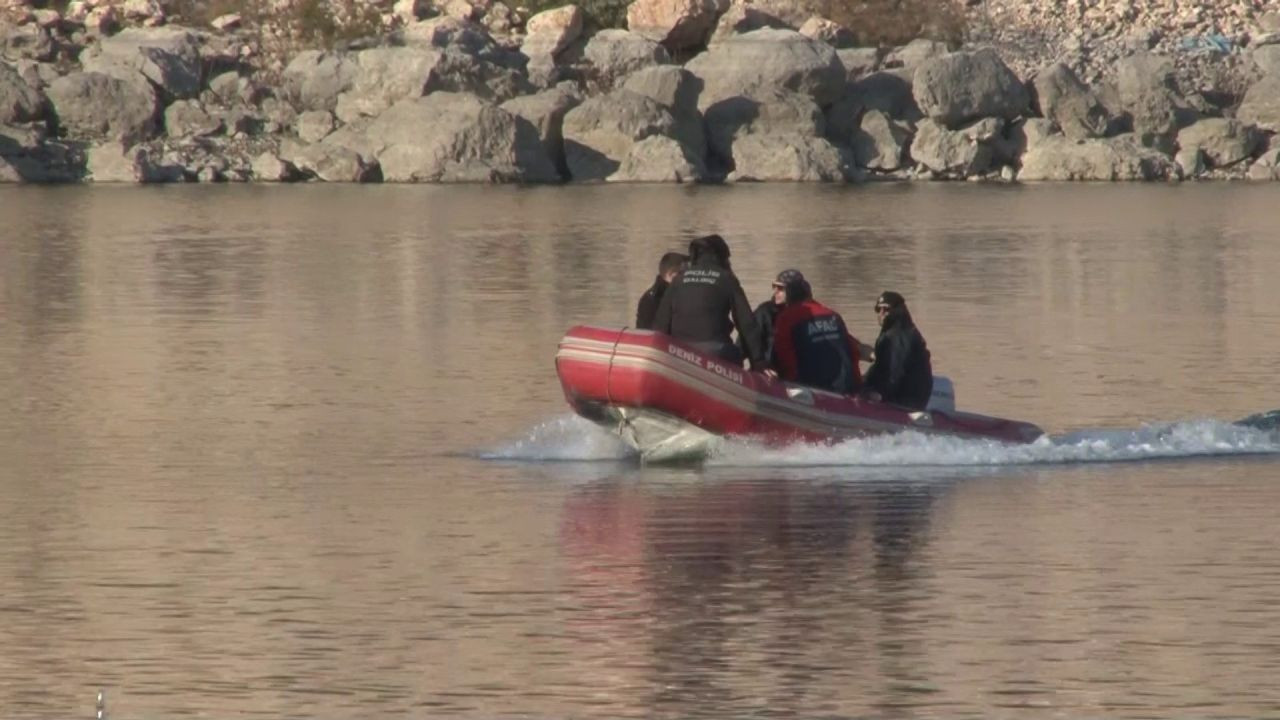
(1196, 438)
(570, 438)
(565, 438)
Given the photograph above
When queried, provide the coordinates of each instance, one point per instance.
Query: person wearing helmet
(902, 372)
(811, 343)
(705, 303)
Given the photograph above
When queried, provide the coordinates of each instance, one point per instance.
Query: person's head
(782, 287)
(671, 264)
(709, 246)
(890, 305)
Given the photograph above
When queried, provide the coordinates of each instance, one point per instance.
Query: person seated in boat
(668, 267)
(765, 316)
(811, 343)
(902, 372)
(701, 300)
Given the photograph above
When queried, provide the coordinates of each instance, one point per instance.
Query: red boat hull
(603, 370)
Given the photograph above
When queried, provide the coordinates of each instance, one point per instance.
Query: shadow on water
(783, 569)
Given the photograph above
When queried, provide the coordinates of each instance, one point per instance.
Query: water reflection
(772, 578)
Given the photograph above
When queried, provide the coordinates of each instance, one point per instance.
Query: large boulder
(765, 60)
(1261, 104)
(888, 91)
(743, 17)
(19, 102)
(382, 77)
(952, 153)
(599, 133)
(911, 56)
(677, 90)
(676, 24)
(831, 33)
(880, 142)
(167, 56)
(313, 80)
(659, 158)
(773, 112)
(90, 105)
(331, 163)
(269, 167)
(1267, 59)
(1063, 98)
(454, 137)
(960, 87)
(859, 62)
(112, 162)
(614, 54)
(546, 111)
(789, 158)
(1146, 89)
(1119, 158)
(26, 42)
(1222, 141)
(451, 32)
(188, 118)
(550, 32)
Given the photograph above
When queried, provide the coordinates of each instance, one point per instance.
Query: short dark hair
(672, 261)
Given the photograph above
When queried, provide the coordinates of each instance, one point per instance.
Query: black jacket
(765, 315)
(648, 305)
(902, 372)
(699, 303)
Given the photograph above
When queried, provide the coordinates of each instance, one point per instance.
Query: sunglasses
(882, 308)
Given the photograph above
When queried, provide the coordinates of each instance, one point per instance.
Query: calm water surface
(301, 452)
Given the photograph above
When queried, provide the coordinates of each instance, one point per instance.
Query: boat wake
(570, 438)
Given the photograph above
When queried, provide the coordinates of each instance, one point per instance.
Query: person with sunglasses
(902, 372)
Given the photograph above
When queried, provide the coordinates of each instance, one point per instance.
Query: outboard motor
(1262, 421)
(943, 396)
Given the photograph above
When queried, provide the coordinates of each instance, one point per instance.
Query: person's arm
(784, 347)
(745, 322)
(645, 311)
(896, 368)
(662, 318)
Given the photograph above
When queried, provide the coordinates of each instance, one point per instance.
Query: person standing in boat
(811, 343)
(668, 267)
(902, 372)
(701, 300)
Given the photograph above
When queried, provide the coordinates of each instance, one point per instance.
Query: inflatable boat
(668, 401)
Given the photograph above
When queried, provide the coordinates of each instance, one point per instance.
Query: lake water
(301, 452)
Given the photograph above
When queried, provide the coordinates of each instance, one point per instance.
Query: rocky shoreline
(470, 93)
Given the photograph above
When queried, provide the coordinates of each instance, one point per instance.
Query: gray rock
(831, 33)
(92, 105)
(112, 162)
(1261, 104)
(20, 140)
(10, 171)
(880, 143)
(858, 62)
(916, 53)
(187, 118)
(313, 80)
(888, 91)
(1021, 136)
(225, 86)
(789, 158)
(773, 112)
(167, 56)
(382, 77)
(1146, 90)
(1266, 59)
(449, 32)
(765, 60)
(546, 111)
(26, 42)
(268, 167)
(314, 125)
(658, 158)
(19, 102)
(949, 152)
(1062, 98)
(743, 18)
(600, 132)
(1119, 158)
(843, 119)
(614, 54)
(331, 163)
(676, 89)
(960, 87)
(1258, 171)
(1190, 162)
(1223, 141)
(677, 26)
(449, 137)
